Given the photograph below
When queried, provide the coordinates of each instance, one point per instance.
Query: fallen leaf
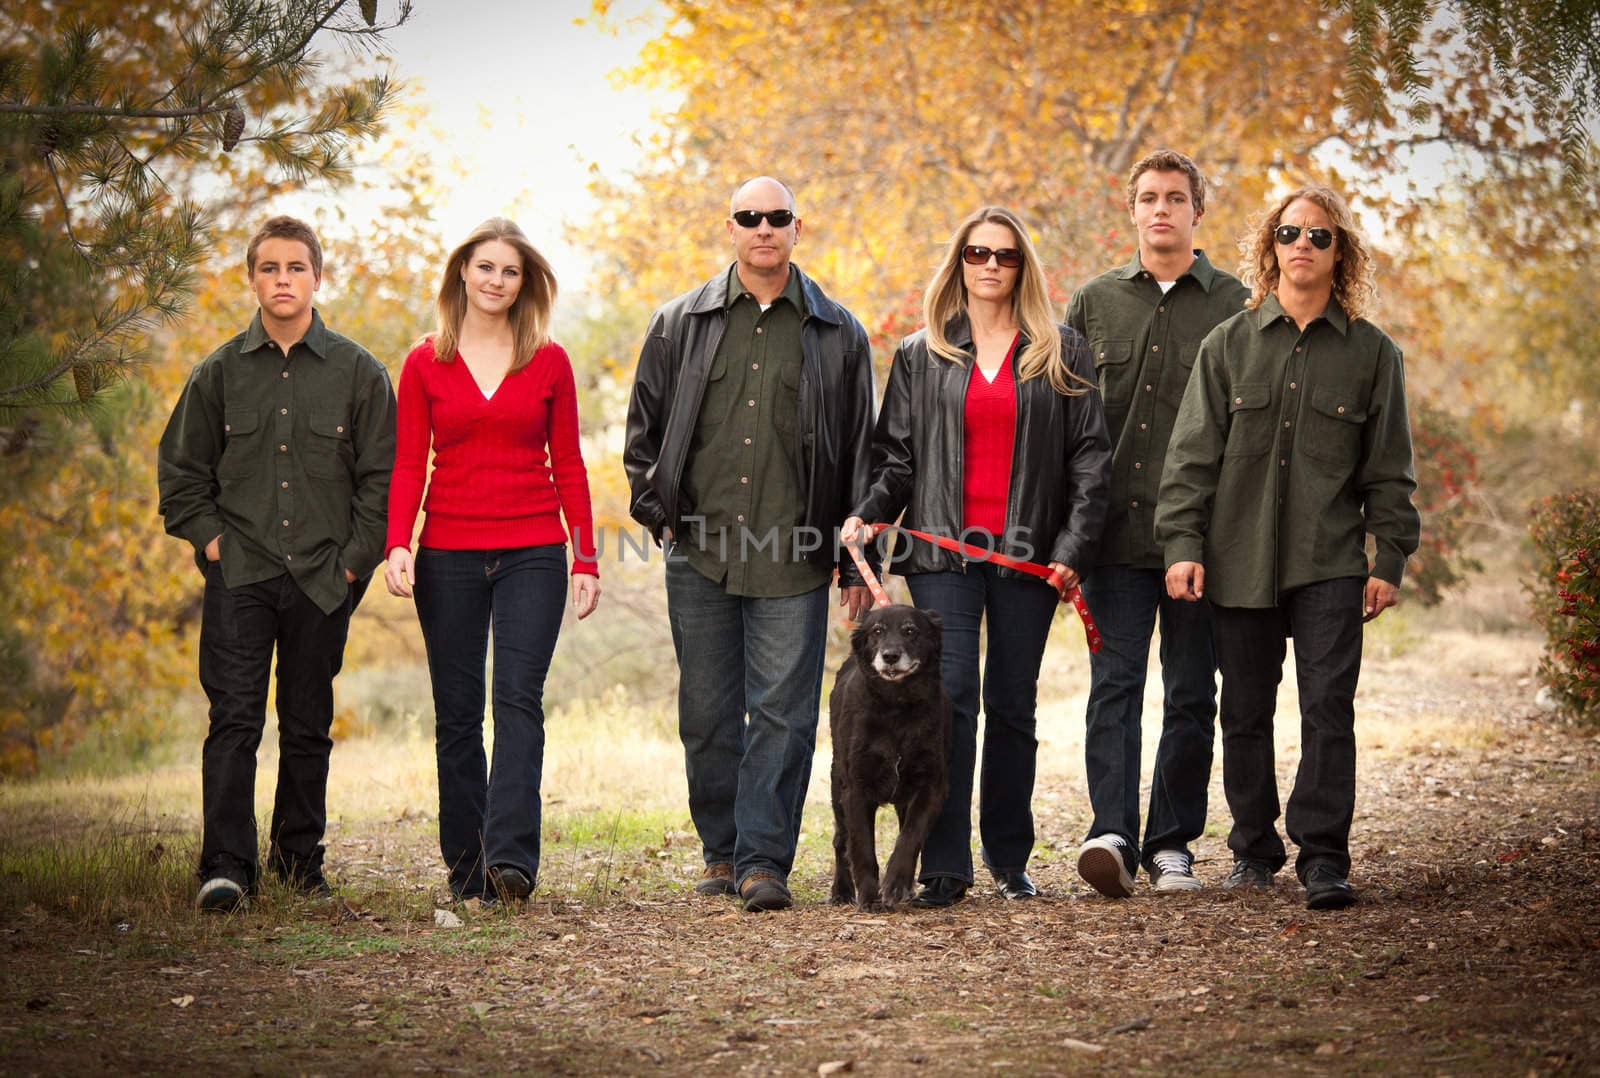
(1424, 998)
(445, 919)
(836, 1066)
(1082, 1046)
(181, 1001)
(1327, 1048)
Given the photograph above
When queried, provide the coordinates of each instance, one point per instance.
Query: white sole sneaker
(220, 895)
(1171, 882)
(1101, 866)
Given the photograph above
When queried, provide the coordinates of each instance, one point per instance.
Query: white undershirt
(1166, 286)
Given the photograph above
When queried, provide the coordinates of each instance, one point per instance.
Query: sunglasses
(752, 218)
(1009, 257)
(1321, 238)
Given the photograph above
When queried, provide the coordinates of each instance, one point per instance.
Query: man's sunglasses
(752, 218)
(1321, 238)
(1009, 257)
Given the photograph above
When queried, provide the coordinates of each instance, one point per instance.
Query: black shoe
(509, 883)
(763, 893)
(1014, 885)
(220, 894)
(1247, 873)
(939, 892)
(1326, 889)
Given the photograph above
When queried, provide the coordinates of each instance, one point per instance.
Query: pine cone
(48, 138)
(83, 382)
(369, 11)
(232, 127)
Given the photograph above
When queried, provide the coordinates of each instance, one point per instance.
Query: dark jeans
(239, 628)
(1020, 610)
(1126, 603)
(749, 689)
(1325, 621)
(489, 815)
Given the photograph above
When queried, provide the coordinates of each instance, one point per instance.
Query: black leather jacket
(1060, 461)
(836, 410)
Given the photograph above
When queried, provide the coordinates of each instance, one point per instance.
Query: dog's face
(894, 642)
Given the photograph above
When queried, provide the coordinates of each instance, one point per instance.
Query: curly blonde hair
(1352, 273)
(946, 297)
(530, 313)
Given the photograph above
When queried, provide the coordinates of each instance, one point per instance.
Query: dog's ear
(859, 633)
(935, 623)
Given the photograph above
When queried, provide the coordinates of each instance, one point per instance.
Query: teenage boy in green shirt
(275, 467)
(1145, 322)
(1292, 447)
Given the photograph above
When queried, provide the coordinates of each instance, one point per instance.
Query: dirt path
(1476, 949)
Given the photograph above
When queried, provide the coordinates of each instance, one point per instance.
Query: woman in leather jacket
(991, 430)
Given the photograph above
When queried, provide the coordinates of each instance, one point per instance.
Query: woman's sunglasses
(1009, 257)
(752, 218)
(1321, 238)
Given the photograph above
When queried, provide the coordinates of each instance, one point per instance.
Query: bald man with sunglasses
(749, 432)
(1292, 450)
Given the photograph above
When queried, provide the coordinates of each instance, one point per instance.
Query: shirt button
(286, 374)
(1238, 400)
(1155, 348)
(284, 484)
(1341, 409)
(1137, 465)
(288, 557)
(1293, 386)
(1144, 426)
(740, 518)
(747, 441)
(1282, 462)
(1297, 348)
(751, 403)
(283, 411)
(1149, 389)
(760, 330)
(1102, 355)
(1285, 424)
(755, 366)
(285, 523)
(742, 479)
(1134, 504)
(339, 429)
(1160, 310)
(227, 426)
(283, 449)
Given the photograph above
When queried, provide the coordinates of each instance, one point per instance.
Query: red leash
(1074, 596)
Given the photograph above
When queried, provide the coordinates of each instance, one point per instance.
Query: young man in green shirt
(1292, 447)
(1145, 322)
(275, 467)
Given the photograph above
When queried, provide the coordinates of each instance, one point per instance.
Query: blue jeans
(489, 816)
(1325, 619)
(1020, 610)
(1125, 603)
(749, 689)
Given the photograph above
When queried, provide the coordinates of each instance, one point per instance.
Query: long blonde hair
(529, 314)
(946, 297)
(1352, 273)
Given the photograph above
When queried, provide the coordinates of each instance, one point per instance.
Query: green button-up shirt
(1290, 448)
(286, 457)
(743, 472)
(1144, 344)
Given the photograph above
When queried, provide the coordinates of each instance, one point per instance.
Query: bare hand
(1186, 580)
(1069, 576)
(400, 571)
(856, 599)
(1380, 595)
(214, 549)
(585, 594)
(850, 531)
(349, 577)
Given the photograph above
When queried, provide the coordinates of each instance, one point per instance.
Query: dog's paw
(895, 892)
(840, 896)
(868, 902)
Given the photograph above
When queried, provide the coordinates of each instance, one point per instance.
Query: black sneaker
(509, 883)
(763, 892)
(1247, 873)
(939, 892)
(220, 894)
(1326, 888)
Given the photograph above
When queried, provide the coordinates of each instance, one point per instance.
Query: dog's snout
(891, 657)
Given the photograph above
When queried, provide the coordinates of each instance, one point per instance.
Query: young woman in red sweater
(991, 430)
(495, 398)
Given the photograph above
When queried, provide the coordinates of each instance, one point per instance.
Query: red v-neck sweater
(990, 424)
(505, 469)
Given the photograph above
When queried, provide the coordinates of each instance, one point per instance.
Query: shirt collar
(1201, 269)
(1271, 311)
(316, 337)
(791, 290)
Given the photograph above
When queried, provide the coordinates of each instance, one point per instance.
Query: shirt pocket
(242, 444)
(1113, 363)
(1175, 378)
(786, 403)
(329, 452)
(716, 403)
(1249, 420)
(1331, 431)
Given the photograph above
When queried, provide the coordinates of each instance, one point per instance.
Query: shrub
(1566, 598)
(1447, 474)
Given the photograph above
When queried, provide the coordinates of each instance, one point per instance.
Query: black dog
(890, 718)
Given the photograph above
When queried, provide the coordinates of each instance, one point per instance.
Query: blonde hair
(529, 314)
(1352, 273)
(946, 297)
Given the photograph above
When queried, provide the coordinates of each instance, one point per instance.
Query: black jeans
(489, 816)
(239, 627)
(1126, 603)
(1019, 612)
(1325, 620)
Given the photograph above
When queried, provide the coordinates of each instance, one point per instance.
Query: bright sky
(522, 105)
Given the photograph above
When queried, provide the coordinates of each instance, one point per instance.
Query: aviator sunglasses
(1321, 238)
(1009, 257)
(752, 218)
